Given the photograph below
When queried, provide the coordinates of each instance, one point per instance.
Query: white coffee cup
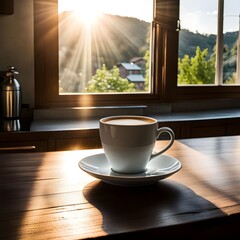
(128, 141)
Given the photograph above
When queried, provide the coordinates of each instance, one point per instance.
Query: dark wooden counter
(44, 195)
(80, 133)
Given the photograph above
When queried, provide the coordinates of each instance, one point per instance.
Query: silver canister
(10, 100)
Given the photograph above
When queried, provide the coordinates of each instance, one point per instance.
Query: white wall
(16, 46)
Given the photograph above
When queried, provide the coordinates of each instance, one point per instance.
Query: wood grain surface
(45, 195)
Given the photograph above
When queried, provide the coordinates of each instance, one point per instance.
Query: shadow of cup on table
(161, 204)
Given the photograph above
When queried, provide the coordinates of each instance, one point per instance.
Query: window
(97, 39)
(72, 54)
(231, 43)
(208, 42)
(211, 29)
(197, 42)
(165, 50)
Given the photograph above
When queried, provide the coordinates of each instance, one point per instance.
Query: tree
(109, 81)
(197, 70)
(147, 72)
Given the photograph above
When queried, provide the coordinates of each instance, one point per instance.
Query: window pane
(197, 41)
(231, 49)
(104, 46)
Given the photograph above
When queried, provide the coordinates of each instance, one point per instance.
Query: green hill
(113, 39)
(189, 40)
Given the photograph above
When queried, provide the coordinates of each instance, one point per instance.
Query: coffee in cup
(128, 141)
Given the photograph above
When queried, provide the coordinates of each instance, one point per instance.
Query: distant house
(133, 73)
(128, 68)
(141, 62)
(138, 80)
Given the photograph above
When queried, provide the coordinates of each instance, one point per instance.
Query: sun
(85, 11)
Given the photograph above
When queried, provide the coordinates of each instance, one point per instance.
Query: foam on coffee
(129, 121)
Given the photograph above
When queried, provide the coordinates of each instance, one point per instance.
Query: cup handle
(170, 143)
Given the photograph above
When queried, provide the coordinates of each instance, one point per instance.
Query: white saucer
(159, 168)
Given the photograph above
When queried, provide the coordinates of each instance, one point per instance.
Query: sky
(202, 15)
(198, 17)
(144, 10)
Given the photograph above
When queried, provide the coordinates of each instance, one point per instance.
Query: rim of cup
(149, 120)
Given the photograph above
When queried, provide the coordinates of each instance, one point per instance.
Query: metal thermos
(10, 100)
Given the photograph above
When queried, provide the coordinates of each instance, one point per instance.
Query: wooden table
(47, 196)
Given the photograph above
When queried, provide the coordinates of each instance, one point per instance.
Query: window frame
(164, 60)
(46, 68)
(202, 92)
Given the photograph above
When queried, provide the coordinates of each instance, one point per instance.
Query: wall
(17, 47)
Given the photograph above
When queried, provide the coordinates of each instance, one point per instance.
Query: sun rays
(90, 36)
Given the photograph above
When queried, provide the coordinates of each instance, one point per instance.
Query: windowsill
(61, 119)
(63, 125)
(198, 115)
(93, 123)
